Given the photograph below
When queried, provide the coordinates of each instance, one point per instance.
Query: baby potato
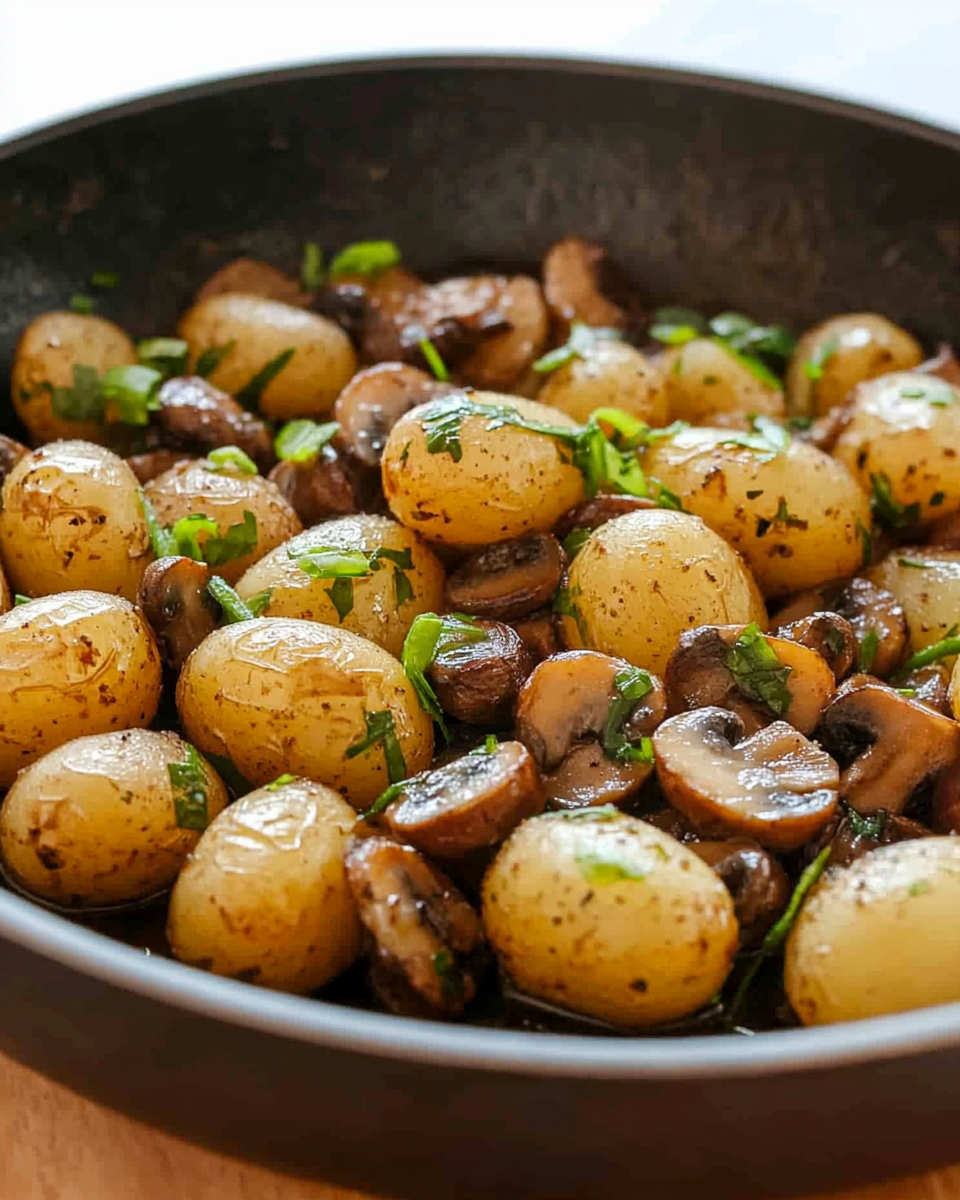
(612, 374)
(603, 914)
(705, 378)
(103, 820)
(224, 496)
(798, 516)
(478, 485)
(926, 582)
(261, 330)
(72, 664)
(71, 519)
(903, 432)
(880, 936)
(842, 352)
(642, 579)
(380, 606)
(278, 694)
(264, 897)
(49, 348)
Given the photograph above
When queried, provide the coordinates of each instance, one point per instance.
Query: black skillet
(713, 193)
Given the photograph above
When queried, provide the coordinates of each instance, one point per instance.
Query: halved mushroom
(427, 939)
(502, 363)
(154, 462)
(508, 580)
(582, 733)
(469, 804)
(11, 451)
(372, 403)
(538, 632)
(179, 609)
(891, 744)
(379, 298)
(774, 786)
(756, 881)
(856, 836)
(319, 489)
(573, 277)
(591, 514)
(699, 675)
(479, 682)
(195, 414)
(930, 686)
(255, 278)
(830, 635)
(944, 365)
(871, 610)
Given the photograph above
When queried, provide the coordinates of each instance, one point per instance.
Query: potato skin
(72, 664)
(644, 578)
(94, 821)
(855, 347)
(264, 897)
(612, 375)
(46, 353)
(322, 364)
(224, 496)
(880, 936)
(930, 595)
(738, 494)
(704, 379)
(635, 951)
(906, 426)
(375, 614)
(508, 482)
(280, 695)
(71, 519)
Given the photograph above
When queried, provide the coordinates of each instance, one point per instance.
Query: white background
(61, 56)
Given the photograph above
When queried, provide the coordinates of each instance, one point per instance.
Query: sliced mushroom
(930, 686)
(756, 881)
(891, 744)
(509, 580)
(774, 786)
(428, 940)
(573, 273)
(11, 451)
(698, 676)
(830, 635)
(671, 820)
(944, 365)
(561, 717)
(148, 466)
(479, 682)
(471, 803)
(347, 304)
(851, 841)
(385, 295)
(538, 632)
(319, 489)
(591, 514)
(502, 363)
(174, 598)
(255, 278)
(372, 403)
(868, 608)
(195, 414)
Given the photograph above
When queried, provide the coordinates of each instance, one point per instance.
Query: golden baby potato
(603, 914)
(48, 349)
(880, 936)
(72, 519)
(832, 358)
(261, 330)
(72, 664)
(704, 378)
(225, 497)
(457, 471)
(104, 820)
(264, 897)
(380, 605)
(901, 437)
(926, 582)
(643, 579)
(279, 695)
(610, 374)
(797, 516)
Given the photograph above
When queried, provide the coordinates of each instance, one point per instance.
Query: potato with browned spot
(608, 374)
(926, 582)
(264, 897)
(706, 379)
(107, 819)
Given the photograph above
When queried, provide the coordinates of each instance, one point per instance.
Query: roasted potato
(926, 582)
(705, 379)
(612, 374)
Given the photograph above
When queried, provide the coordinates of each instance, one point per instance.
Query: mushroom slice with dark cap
(854, 835)
(502, 363)
(586, 719)
(538, 632)
(469, 804)
(930, 685)
(891, 743)
(317, 489)
(479, 681)
(196, 415)
(427, 939)
(830, 635)
(591, 514)
(508, 580)
(255, 278)
(149, 465)
(756, 881)
(179, 609)
(774, 786)
(372, 403)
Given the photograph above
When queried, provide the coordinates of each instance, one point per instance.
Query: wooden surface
(55, 1146)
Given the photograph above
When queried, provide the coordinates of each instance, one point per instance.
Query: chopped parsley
(783, 516)
(565, 604)
(767, 438)
(133, 390)
(813, 367)
(757, 670)
(343, 566)
(240, 539)
(249, 395)
(104, 279)
(581, 342)
(915, 564)
(866, 543)
(84, 305)
(385, 799)
(381, 731)
(232, 607)
(83, 401)
(599, 871)
(365, 258)
(888, 512)
(947, 647)
(871, 826)
(161, 539)
(600, 813)
(302, 440)
(212, 357)
(676, 326)
(260, 602)
(630, 686)
(573, 542)
(430, 635)
(167, 355)
(938, 393)
(189, 785)
(18, 599)
(434, 361)
(869, 645)
(279, 782)
(312, 273)
(452, 985)
(231, 458)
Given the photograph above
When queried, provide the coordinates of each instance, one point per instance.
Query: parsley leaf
(758, 672)
(302, 440)
(866, 543)
(133, 390)
(81, 402)
(260, 602)
(946, 648)
(813, 367)
(869, 645)
(249, 395)
(451, 977)
(84, 305)
(580, 342)
(677, 326)
(573, 542)
(240, 539)
(434, 361)
(18, 600)
(279, 782)
(429, 636)
(630, 686)
(381, 731)
(311, 267)
(767, 438)
(162, 540)
(166, 355)
(189, 785)
(385, 799)
(888, 512)
(231, 606)
(104, 279)
(599, 871)
(783, 516)
(365, 258)
(212, 357)
(231, 458)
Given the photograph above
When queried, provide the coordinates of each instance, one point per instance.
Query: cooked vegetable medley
(496, 648)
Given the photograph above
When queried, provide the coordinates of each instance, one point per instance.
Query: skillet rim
(339, 1027)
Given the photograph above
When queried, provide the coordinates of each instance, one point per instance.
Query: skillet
(712, 192)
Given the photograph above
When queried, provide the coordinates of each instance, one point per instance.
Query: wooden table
(56, 1146)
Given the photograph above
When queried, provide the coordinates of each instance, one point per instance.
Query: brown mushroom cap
(502, 363)
(849, 843)
(573, 286)
(372, 403)
(508, 580)
(179, 609)
(196, 415)
(255, 278)
(468, 804)
(317, 490)
(154, 462)
(426, 935)
(591, 514)
(892, 743)
(774, 786)
(538, 632)
(830, 635)
(931, 687)
(479, 681)
(756, 881)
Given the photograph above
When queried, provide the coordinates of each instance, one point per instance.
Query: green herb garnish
(260, 602)
(212, 357)
(225, 768)
(946, 648)
(813, 367)
(598, 812)
(915, 564)
(434, 361)
(676, 326)
(231, 606)
(249, 395)
(104, 279)
(630, 686)
(758, 672)
(888, 512)
(429, 636)
(581, 342)
(167, 355)
(599, 871)
(767, 438)
(365, 258)
(279, 782)
(343, 566)
(869, 646)
(83, 401)
(240, 539)
(754, 365)
(84, 305)
(133, 390)
(384, 800)
(231, 458)
(938, 394)
(451, 977)
(573, 542)
(18, 600)
(871, 826)
(302, 440)
(565, 604)
(162, 540)
(783, 516)
(381, 731)
(866, 543)
(189, 785)
(311, 267)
